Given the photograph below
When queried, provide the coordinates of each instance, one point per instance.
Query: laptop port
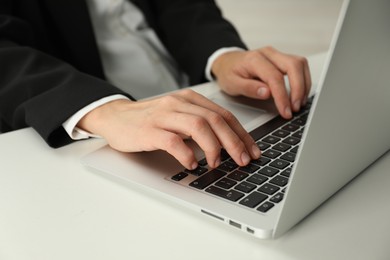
(235, 224)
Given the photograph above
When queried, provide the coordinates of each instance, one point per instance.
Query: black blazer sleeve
(38, 89)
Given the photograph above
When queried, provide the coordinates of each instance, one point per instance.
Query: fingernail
(245, 158)
(304, 101)
(288, 112)
(217, 162)
(297, 105)
(256, 151)
(194, 166)
(261, 92)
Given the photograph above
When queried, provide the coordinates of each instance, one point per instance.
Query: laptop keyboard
(262, 183)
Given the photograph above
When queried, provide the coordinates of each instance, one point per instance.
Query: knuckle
(228, 116)
(275, 78)
(222, 117)
(198, 124)
(268, 48)
(215, 119)
(187, 92)
(298, 62)
(253, 57)
(169, 100)
(303, 60)
(172, 142)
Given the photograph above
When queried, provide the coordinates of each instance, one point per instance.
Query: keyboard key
(253, 199)
(227, 166)
(205, 180)
(280, 164)
(286, 172)
(268, 189)
(261, 161)
(282, 147)
(271, 139)
(268, 171)
(203, 162)
(262, 145)
(290, 128)
(298, 134)
(265, 207)
(291, 140)
(250, 168)
(224, 155)
(281, 133)
(277, 198)
(245, 187)
(299, 121)
(198, 171)
(268, 127)
(226, 194)
(271, 153)
(295, 149)
(279, 180)
(238, 176)
(225, 183)
(288, 156)
(257, 179)
(179, 176)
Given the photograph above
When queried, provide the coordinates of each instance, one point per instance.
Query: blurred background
(303, 27)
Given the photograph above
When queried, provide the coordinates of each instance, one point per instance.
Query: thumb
(252, 88)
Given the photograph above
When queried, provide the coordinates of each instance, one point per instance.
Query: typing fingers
(174, 145)
(162, 122)
(261, 73)
(224, 124)
(261, 67)
(211, 127)
(297, 70)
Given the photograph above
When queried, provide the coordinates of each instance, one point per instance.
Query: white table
(51, 207)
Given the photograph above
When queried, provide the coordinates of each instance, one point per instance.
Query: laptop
(344, 129)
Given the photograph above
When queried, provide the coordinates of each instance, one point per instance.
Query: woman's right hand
(163, 122)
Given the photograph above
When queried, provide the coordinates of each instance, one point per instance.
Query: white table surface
(51, 207)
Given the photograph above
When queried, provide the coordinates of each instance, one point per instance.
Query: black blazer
(50, 65)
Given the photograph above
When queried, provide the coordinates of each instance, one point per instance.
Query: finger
(252, 88)
(270, 74)
(197, 127)
(174, 145)
(307, 81)
(297, 85)
(229, 132)
(296, 69)
(230, 119)
(233, 124)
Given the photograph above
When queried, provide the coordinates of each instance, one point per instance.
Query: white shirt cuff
(214, 56)
(70, 124)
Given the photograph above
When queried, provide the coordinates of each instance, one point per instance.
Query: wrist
(216, 55)
(221, 61)
(70, 125)
(95, 121)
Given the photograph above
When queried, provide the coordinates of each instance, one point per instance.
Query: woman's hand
(260, 74)
(162, 123)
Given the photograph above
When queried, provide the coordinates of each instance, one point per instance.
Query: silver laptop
(306, 160)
